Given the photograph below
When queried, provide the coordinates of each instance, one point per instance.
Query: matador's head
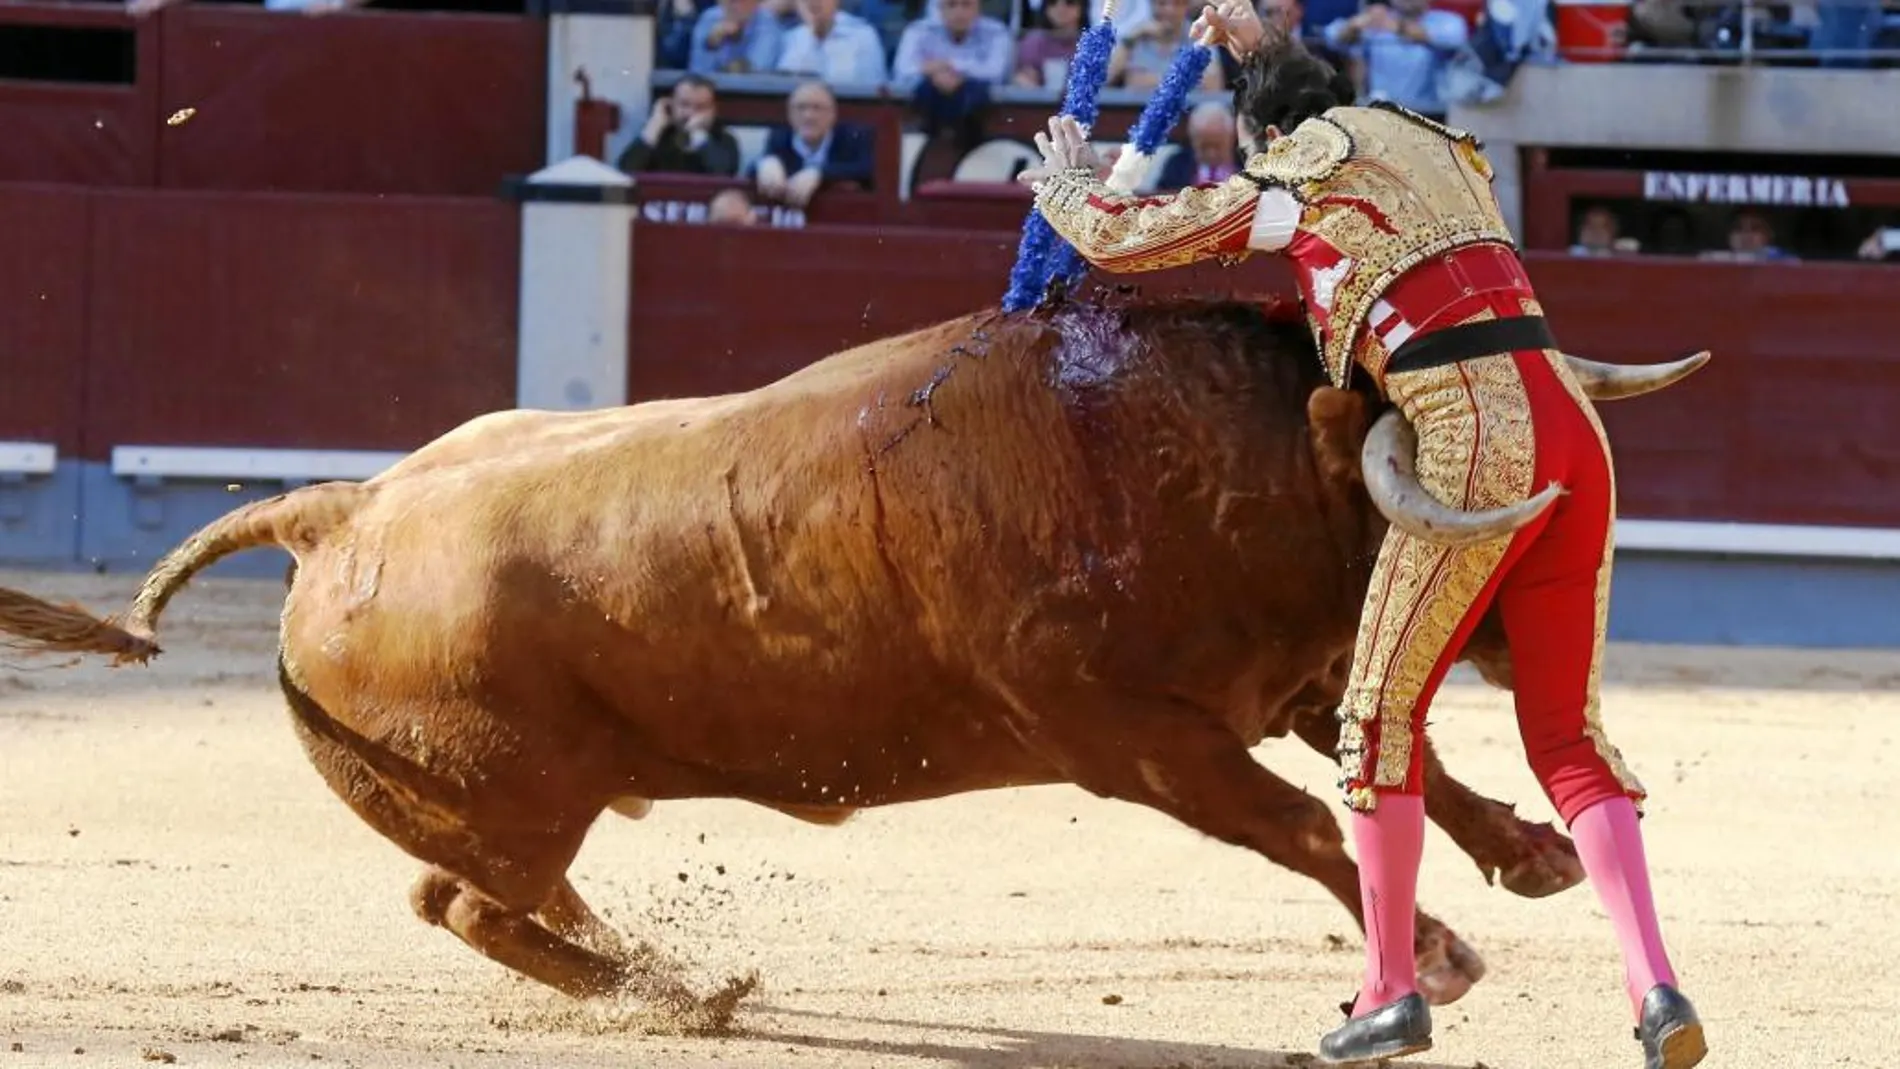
(1281, 86)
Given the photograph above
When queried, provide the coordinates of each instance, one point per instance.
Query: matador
(1409, 275)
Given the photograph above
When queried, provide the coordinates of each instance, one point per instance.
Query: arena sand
(178, 887)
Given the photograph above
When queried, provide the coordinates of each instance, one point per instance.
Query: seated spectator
(1290, 17)
(1213, 152)
(947, 61)
(1127, 12)
(1143, 52)
(1042, 59)
(1599, 234)
(1751, 237)
(673, 50)
(731, 207)
(814, 150)
(683, 135)
(835, 46)
(1403, 48)
(735, 37)
(1882, 245)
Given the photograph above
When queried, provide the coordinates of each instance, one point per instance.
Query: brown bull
(1112, 548)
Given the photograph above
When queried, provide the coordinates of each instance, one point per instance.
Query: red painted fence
(378, 323)
(216, 319)
(236, 98)
(1791, 423)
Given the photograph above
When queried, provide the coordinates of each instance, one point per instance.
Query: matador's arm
(1122, 233)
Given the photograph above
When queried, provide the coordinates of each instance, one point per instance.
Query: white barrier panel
(275, 465)
(576, 290)
(28, 458)
(1759, 539)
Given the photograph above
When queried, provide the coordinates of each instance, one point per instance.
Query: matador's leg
(1555, 606)
(1476, 452)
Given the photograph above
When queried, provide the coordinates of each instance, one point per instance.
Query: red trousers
(1493, 431)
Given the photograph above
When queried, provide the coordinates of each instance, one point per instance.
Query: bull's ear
(1336, 421)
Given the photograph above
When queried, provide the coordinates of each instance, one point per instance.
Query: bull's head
(1389, 459)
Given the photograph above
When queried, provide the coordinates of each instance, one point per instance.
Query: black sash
(1452, 344)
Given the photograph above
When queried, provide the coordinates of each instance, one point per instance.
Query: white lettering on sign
(695, 211)
(1793, 191)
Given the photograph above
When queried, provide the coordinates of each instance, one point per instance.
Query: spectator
(1882, 245)
(1403, 48)
(1127, 12)
(1289, 17)
(1598, 233)
(833, 45)
(1042, 60)
(814, 150)
(947, 61)
(677, 21)
(735, 37)
(1213, 152)
(684, 135)
(1143, 52)
(1751, 237)
(731, 207)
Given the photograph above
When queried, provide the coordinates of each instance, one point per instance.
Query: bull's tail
(295, 521)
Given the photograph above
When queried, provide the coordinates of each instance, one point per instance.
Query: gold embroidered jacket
(1354, 198)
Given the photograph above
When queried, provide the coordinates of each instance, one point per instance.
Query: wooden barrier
(228, 97)
(1788, 425)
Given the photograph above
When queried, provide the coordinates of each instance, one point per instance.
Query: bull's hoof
(1447, 967)
(1550, 864)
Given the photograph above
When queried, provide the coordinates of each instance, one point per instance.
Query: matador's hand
(1065, 147)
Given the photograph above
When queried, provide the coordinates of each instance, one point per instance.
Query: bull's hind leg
(1534, 860)
(508, 935)
(567, 915)
(1187, 764)
(485, 884)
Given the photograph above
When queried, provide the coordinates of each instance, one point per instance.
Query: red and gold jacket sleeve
(1125, 233)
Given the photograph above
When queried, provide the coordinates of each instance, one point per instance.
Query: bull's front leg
(1532, 860)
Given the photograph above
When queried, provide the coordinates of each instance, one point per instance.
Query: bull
(1109, 546)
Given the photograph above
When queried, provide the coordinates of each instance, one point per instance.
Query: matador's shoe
(1391, 1031)
(1670, 1031)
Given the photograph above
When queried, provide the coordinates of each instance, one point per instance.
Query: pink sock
(1390, 842)
(1610, 843)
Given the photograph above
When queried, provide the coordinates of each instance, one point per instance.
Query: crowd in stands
(1743, 234)
(944, 58)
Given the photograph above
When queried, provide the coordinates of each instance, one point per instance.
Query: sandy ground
(177, 884)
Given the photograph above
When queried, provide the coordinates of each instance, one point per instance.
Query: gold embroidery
(1476, 451)
(1593, 704)
(1407, 193)
(1126, 233)
(1312, 153)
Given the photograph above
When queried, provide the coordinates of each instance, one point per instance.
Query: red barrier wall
(371, 102)
(1791, 423)
(43, 315)
(227, 320)
(726, 308)
(377, 102)
(85, 134)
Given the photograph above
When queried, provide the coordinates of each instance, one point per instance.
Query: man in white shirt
(836, 46)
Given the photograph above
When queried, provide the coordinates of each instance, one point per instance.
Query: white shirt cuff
(1276, 218)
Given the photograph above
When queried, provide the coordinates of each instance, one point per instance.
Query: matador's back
(1381, 190)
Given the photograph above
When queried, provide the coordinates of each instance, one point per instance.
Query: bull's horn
(1611, 382)
(1390, 463)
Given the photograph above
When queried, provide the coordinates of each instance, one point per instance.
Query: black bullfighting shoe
(1670, 1031)
(1391, 1031)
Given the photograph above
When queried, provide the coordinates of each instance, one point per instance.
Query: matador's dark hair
(1283, 85)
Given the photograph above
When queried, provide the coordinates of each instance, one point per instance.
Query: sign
(1779, 190)
(696, 211)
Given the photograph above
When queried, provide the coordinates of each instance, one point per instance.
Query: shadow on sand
(1008, 1048)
